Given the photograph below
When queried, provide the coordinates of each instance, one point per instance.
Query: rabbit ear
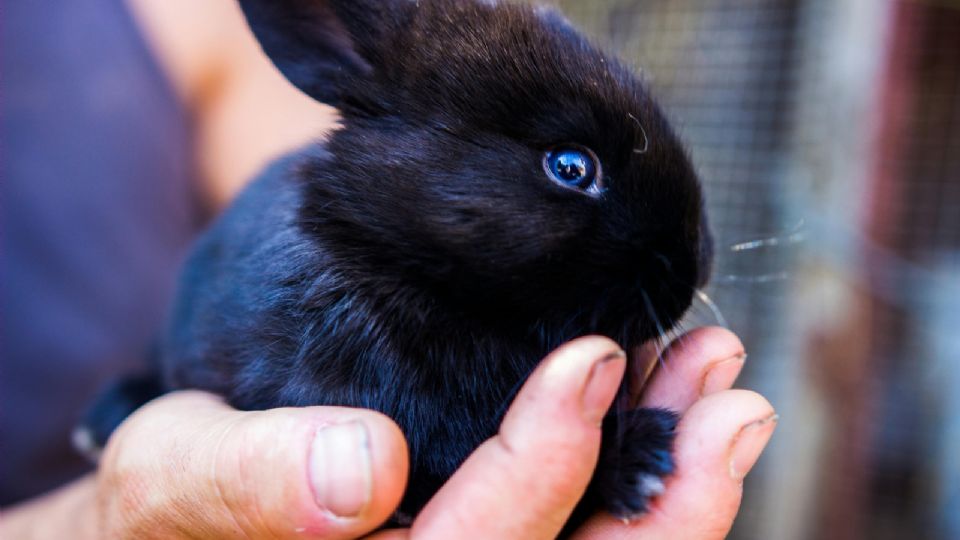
(324, 47)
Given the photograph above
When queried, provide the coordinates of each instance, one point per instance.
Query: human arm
(245, 114)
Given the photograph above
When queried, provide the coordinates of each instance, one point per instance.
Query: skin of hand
(186, 465)
(243, 112)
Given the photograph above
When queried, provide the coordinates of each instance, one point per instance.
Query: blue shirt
(98, 207)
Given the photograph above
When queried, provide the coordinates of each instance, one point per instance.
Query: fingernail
(721, 375)
(602, 385)
(749, 443)
(340, 468)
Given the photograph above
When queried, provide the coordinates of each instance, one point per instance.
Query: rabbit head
(494, 160)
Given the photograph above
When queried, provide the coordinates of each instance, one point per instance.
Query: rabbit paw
(635, 457)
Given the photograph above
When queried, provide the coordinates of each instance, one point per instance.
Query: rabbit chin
(631, 314)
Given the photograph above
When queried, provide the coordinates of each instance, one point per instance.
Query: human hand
(187, 465)
(720, 437)
(524, 482)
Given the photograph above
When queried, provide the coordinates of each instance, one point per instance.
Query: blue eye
(572, 166)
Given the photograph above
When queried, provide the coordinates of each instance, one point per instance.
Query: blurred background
(827, 132)
(828, 135)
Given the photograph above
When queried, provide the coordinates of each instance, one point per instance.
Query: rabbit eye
(573, 166)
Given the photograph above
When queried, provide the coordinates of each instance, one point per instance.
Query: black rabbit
(499, 186)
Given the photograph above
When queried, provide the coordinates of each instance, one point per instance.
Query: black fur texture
(421, 263)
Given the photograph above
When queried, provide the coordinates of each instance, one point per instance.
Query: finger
(188, 463)
(719, 440)
(525, 481)
(697, 364)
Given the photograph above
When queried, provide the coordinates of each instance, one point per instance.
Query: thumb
(188, 465)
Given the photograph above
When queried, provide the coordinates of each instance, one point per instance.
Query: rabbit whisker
(658, 340)
(646, 140)
(794, 238)
(698, 294)
(794, 235)
(712, 306)
(763, 278)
